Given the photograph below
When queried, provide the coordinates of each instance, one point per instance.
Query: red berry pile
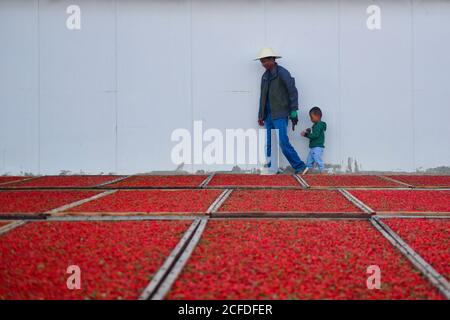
(420, 181)
(37, 201)
(281, 180)
(116, 259)
(296, 259)
(63, 181)
(143, 201)
(347, 181)
(405, 200)
(430, 238)
(160, 181)
(308, 201)
(9, 179)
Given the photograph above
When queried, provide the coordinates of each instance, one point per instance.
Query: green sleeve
(315, 132)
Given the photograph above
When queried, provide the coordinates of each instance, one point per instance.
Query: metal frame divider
(11, 226)
(424, 267)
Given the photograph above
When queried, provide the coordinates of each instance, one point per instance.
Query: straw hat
(267, 52)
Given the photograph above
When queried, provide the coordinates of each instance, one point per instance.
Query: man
(277, 103)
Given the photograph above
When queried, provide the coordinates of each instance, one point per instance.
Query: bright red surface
(161, 181)
(430, 238)
(116, 259)
(296, 259)
(152, 201)
(64, 181)
(280, 180)
(4, 179)
(405, 200)
(287, 201)
(347, 181)
(439, 181)
(39, 201)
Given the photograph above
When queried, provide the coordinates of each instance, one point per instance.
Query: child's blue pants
(315, 156)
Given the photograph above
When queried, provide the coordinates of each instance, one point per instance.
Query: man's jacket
(280, 88)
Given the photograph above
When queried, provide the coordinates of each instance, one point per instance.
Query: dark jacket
(280, 88)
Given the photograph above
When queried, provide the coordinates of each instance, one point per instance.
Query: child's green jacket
(317, 135)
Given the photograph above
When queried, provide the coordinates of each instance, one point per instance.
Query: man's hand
(294, 119)
(293, 114)
(303, 133)
(261, 122)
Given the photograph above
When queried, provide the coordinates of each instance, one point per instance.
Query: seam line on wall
(191, 62)
(116, 142)
(413, 84)
(39, 84)
(339, 83)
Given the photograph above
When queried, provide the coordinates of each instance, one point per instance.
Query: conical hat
(267, 52)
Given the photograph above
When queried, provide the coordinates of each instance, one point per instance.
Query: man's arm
(260, 109)
(289, 81)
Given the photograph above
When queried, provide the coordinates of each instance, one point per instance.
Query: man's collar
(274, 69)
(272, 72)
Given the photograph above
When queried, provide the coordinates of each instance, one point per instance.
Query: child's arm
(305, 132)
(314, 133)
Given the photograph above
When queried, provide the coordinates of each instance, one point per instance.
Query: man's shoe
(267, 165)
(301, 169)
(305, 171)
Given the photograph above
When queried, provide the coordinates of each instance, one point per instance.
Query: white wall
(106, 98)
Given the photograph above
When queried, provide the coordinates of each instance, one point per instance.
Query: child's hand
(302, 133)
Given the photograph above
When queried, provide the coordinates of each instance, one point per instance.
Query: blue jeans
(286, 147)
(315, 156)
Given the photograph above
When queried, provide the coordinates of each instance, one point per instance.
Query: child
(316, 136)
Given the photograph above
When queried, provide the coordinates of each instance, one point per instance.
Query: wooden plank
(219, 201)
(356, 201)
(169, 280)
(11, 226)
(205, 182)
(168, 264)
(79, 202)
(132, 213)
(396, 181)
(302, 181)
(421, 213)
(289, 214)
(112, 181)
